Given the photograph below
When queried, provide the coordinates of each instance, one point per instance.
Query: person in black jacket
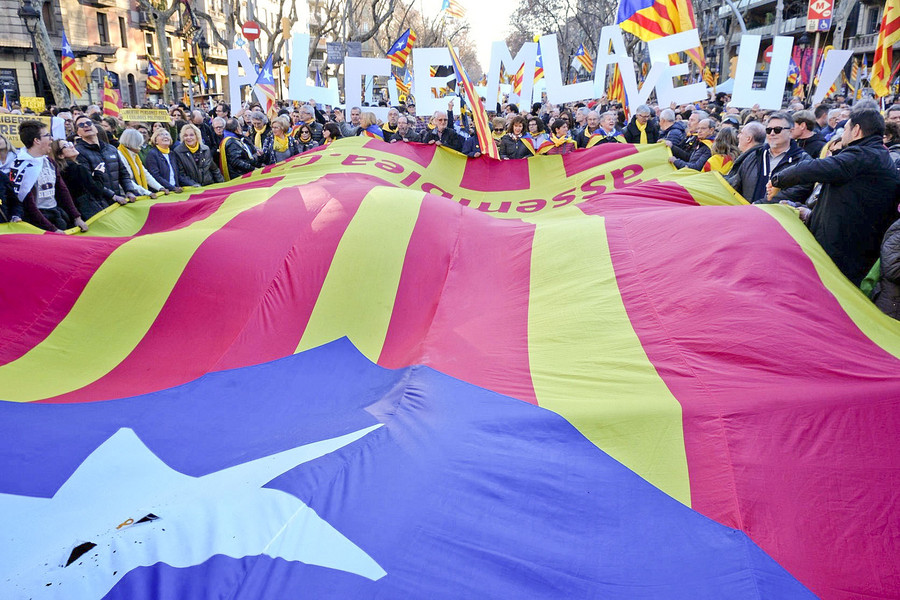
(642, 129)
(804, 132)
(406, 130)
(858, 201)
(706, 133)
(441, 134)
(511, 145)
(85, 189)
(195, 164)
(102, 160)
(239, 155)
(753, 168)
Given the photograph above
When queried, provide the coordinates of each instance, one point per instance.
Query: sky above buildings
(489, 20)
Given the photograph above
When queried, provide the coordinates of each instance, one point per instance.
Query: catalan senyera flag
(356, 373)
(652, 19)
(888, 35)
(708, 77)
(617, 88)
(112, 99)
(453, 9)
(479, 116)
(69, 75)
(518, 79)
(5, 100)
(583, 59)
(156, 77)
(403, 87)
(265, 85)
(399, 52)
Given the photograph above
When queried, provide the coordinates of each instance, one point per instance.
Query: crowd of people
(835, 164)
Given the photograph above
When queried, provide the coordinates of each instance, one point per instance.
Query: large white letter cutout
(770, 98)
(834, 64)
(660, 49)
(611, 35)
(501, 58)
(354, 70)
(238, 58)
(424, 59)
(557, 93)
(298, 89)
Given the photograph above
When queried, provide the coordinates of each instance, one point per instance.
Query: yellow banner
(9, 126)
(36, 104)
(148, 115)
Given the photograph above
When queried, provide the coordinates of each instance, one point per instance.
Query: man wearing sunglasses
(858, 201)
(753, 168)
(102, 160)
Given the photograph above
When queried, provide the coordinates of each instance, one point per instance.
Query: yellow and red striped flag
(617, 89)
(70, 77)
(479, 116)
(517, 80)
(888, 35)
(653, 19)
(112, 100)
(156, 77)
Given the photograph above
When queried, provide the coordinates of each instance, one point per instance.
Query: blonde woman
(368, 126)
(130, 144)
(159, 160)
(195, 163)
(279, 144)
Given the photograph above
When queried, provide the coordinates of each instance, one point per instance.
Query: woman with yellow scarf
(279, 145)
(129, 151)
(195, 164)
(560, 140)
(305, 139)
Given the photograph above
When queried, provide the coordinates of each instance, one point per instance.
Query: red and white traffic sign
(767, 54)
(818, 17)
(250, 30)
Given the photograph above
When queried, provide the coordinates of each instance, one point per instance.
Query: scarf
(24, 173)
(258, 139)
(164, 150)
(280, 143)
(193, 148)
(374, 132)
(719, 162)
(327, 141)
(305, 138)
(137, 167)
(555, 142)
(497, 136)
(643, 129)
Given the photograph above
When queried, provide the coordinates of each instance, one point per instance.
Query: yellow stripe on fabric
(877, 326)
(116, 308)
(587, 363)
(357, 297)
(708, 188)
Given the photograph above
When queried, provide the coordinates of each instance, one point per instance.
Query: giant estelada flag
(386, 371)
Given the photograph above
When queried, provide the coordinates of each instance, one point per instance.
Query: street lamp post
(31, 17)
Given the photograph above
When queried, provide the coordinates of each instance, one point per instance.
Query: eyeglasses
(776, 129)
(47, 135)
(86, 124)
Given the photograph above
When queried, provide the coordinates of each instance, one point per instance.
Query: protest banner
(148, 115)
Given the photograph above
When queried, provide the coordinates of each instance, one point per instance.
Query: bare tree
(159, 16)
(51, 66)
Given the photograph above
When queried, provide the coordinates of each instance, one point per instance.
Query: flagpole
(812, 72)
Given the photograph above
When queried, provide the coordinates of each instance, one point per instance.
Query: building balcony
(862, 43)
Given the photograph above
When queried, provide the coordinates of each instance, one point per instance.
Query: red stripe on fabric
(588, 158)
(211, 308)
(39, 292)
(166, 216)
(421, 154)
(484, 175)
(651, 27)
(462, 301)
(790, 412)
(649, 194)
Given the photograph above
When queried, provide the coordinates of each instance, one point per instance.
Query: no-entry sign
(250, 30)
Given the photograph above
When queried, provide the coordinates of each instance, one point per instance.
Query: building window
(151, 49)
(123, 32)
(47, 13)
(103, 29)
(874, 21)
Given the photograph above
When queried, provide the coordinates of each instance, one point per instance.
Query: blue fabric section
(627, 8)
(462, 493)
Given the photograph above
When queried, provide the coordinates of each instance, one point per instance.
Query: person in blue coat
(160, 163)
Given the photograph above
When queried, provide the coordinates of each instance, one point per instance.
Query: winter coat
(269, 156)
(448, 138)
(813, 144)
(698, 158)
(116, 180)
(86, 190)
(633, 134)
(410, 136)
(747, 172)
(157, 166)
(510, 147)
(196, 169)
(857, 204)
(887, 291)
(240, 157)
(676, 134)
